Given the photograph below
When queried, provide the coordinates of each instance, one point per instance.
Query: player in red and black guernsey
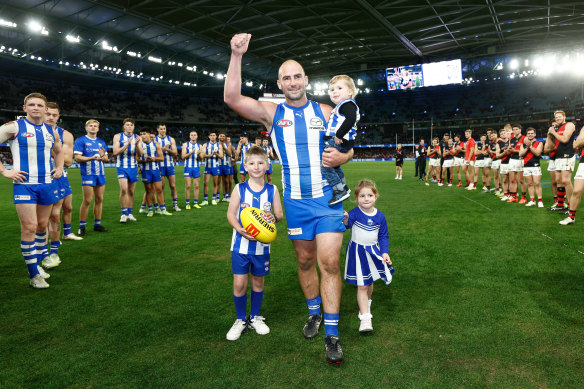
(502, 153)
(434, 155)
(469, 158)
(458, 157)
(530, 152)
(448, 160)
(480, 150)
(516, 164)
(488, 162)
(549, 148)
(496, 163)
(563, 132)
(443, 144)
(578, 182)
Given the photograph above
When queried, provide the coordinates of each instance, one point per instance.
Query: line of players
(41, 150)
(513, 161)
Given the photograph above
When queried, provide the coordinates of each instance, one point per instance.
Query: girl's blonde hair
(349, 81)
(365, 183)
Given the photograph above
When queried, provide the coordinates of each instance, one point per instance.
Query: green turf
(485, 294)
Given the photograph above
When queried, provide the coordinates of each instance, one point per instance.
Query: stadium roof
(327, 37)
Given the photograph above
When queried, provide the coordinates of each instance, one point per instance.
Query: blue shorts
(226, 170)
(151, 176)
(308, 217)
(63, 187)
(167, 171)
(270, 170)
(242, 169)
(193, 172)
(92, 180)
(128, 173)
(41, 194)
(241, 263)
(214, 171)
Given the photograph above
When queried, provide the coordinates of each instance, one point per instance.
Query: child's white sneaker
(236, 329)
(366, 325)
(257, 323)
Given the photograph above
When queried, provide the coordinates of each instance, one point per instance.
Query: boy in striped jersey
(126, 153)
(31, 143)
(247, 254)
(90, 152)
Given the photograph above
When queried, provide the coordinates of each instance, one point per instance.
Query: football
(255, 223)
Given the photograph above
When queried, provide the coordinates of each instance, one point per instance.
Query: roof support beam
(495, 20)
(389, 27)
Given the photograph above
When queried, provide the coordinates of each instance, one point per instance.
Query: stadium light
(73, 39)
(36, 27)
(7, 23)
(154, 59)
(514, 64)
(359, 82)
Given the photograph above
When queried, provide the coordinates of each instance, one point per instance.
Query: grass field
(485, 294)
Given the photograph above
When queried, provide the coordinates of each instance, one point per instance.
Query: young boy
(340, 131)
(246, 252)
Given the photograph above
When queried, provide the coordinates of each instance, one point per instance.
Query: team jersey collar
(37, 126)
(369, 214)
(297, 108)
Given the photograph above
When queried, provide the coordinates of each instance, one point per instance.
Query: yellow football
(255, 223)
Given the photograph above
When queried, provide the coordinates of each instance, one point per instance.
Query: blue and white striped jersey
(268, 151)
(127, 159)
(88, 147)
(263, 200)
(149, 150)
(337, 119)
(297, 137)
(226, 160)
(244, 149)
(193, 160)
(168, 161)
(213, 161)
(31, 151)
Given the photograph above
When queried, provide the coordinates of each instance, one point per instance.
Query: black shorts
(399, 163)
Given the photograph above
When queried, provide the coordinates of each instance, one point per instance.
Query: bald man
(315, 228)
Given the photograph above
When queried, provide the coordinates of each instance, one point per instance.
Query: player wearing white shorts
(469, 158)
(480, 150)
(562, 133)
(530, 152)
(496, 163)
(448, 156)
(316, 229)
(31, 143)
(170, 152)
(434, 155)
(458, 158)
(516, 165)
(502, 154)
(578, 182)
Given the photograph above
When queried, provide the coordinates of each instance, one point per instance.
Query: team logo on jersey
(267, 206)
(49, 138)
(369, 222)
(316, 124)
(244, 205)
(28, 134)
(88, 144)
(284, 123)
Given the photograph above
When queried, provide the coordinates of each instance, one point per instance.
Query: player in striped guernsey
(530, 152)
(65, 193)
(190, 153)
(168, 145)
(578, 182)
(270, 152)
(242, 147)
(296, 128)
(151, 156)
(126, 153)
(31, 143)
(225, 168)
(90, 152)
(212, 154)
(247, 254)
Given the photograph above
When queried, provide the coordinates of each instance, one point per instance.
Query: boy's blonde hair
(349, 81)
(365, 183)
(255, 150)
